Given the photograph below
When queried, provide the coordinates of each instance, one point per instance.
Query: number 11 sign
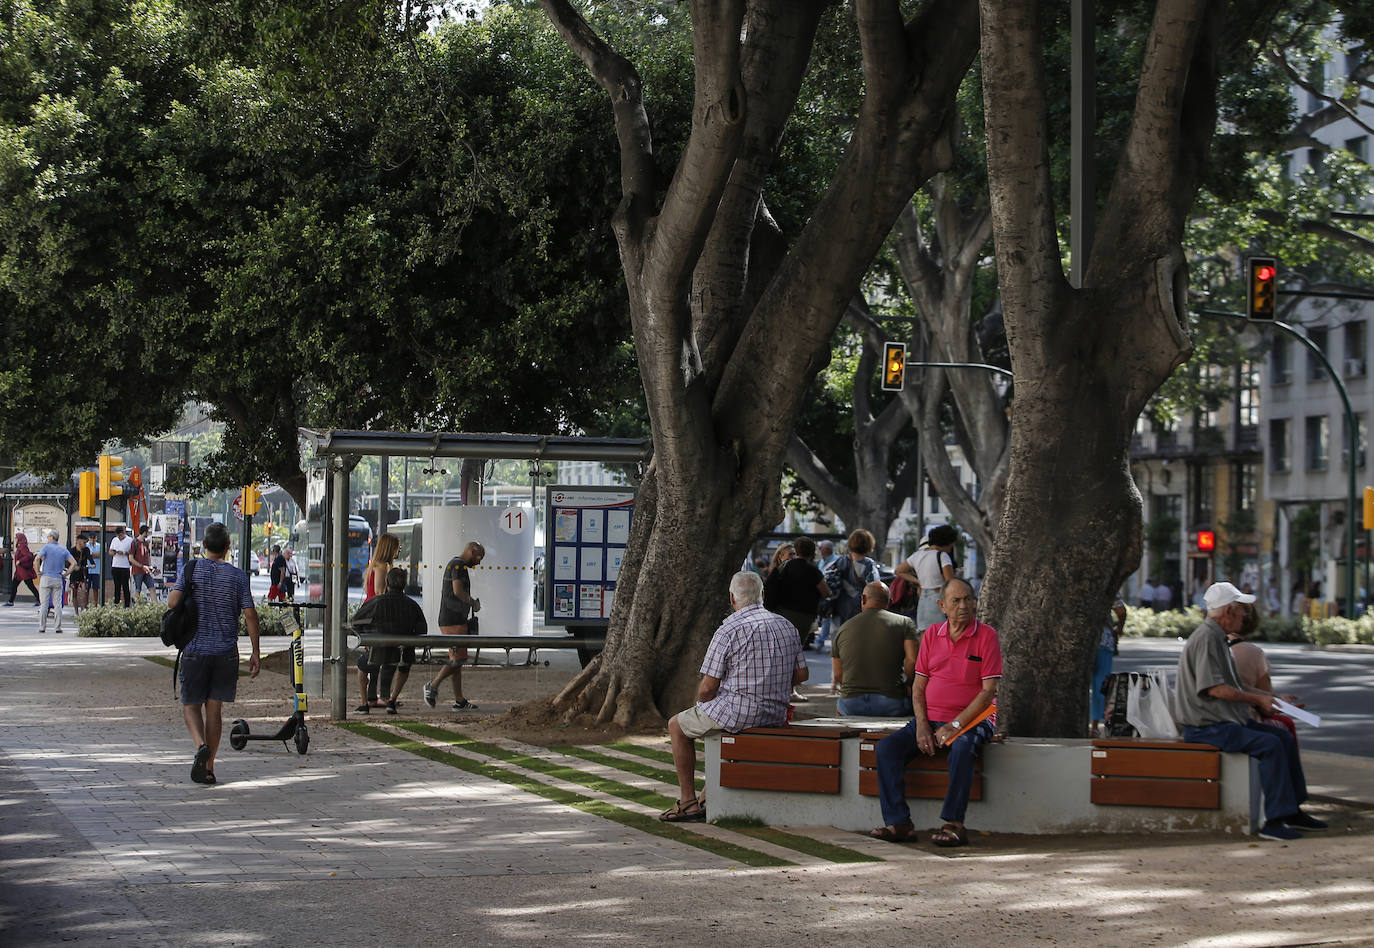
(515, 521)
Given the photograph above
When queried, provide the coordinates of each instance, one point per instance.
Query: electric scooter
(294, 728)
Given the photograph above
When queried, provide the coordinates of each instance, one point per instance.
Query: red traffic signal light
(1206, 541)
(1261, 291)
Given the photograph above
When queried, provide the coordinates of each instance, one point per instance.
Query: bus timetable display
(589, 528)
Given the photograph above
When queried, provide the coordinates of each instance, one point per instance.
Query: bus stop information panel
(590, 528)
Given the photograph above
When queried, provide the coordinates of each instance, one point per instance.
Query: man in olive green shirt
(872, 659)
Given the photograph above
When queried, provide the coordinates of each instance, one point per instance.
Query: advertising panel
(591, 528)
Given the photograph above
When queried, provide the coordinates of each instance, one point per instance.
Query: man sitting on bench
(753, 662)
(391, 613)
(957, 671)
(1213, 707)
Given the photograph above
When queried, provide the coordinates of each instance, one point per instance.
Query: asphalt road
(1331, 682)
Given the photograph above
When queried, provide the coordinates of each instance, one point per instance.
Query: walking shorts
(209, 677)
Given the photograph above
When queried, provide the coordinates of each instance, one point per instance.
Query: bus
(359, 539)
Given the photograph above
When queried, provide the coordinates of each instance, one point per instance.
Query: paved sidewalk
(103, 839)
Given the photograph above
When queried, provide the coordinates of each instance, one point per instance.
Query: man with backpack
(210, 662)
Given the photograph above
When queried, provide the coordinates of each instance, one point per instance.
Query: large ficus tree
(730, 321)
(1086, 359)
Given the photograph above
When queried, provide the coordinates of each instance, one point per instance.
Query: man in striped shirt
(753, 662)
(210, 663)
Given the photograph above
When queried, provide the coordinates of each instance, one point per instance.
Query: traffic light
(894, 366)
(110, 473)
(269, 527)
(86, 494)
(1261, 300)
(252, 500)
(1369, 508)
(1206, 541)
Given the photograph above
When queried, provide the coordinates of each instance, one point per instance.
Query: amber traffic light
(110, 473)
(86, 492)
(1262, 287)
(252, 500)
(894, 366)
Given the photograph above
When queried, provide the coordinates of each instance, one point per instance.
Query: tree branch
(1324, 229)
(817, 477)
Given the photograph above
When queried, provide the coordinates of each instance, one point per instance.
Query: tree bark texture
(727, 346)
(1085, 360)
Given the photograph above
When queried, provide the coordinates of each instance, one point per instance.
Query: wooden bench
(927, 778)
(799, 759)
(1139, 772)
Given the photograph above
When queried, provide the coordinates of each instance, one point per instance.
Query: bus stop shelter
(339, 449)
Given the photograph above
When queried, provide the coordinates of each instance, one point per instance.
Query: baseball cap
(1223, 594)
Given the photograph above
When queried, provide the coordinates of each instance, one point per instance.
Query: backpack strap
(190, 587)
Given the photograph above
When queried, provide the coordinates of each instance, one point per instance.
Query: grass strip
(647, 798)
(663, 757)
(619, 763)
(756, 829)
(641, 822)
(802, 844)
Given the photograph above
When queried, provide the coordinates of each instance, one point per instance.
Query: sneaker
(430, 695)
(464, 705)
(363, 709)
(1301, 821)
(1276, 829)
(7, 605)
(391, 707)
(798, 697)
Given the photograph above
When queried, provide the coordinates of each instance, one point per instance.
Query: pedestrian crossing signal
(1262, 289)
(894, 366)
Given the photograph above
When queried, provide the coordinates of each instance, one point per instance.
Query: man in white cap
(1212, 706)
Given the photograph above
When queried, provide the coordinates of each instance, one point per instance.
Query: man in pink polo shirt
(956, 678)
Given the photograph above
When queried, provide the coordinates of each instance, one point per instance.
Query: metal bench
(586, 645)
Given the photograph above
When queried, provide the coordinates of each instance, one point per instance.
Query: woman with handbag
(930, 567)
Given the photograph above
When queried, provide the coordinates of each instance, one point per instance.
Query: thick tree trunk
(726, 347)
(1086, 359)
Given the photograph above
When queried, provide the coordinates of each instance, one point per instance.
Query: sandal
(685, 811)
(950, 835)
(901, 833)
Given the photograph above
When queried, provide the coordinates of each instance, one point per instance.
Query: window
(1314, 158)
(1280, 362)
(1359, 147)
(1355, 362)
(1318, 443)
(1280, 456)
(1316, 83)
(1361, 432)
(1243, 487)
(1247, 394)
(1315, 370)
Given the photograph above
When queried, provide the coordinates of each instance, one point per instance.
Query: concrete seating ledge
(1035, 786)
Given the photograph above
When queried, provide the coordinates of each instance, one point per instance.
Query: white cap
(1223, 594)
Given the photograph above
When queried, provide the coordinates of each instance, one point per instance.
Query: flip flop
(198, 768)
(689, 811)
(904, 833)
(950, 835)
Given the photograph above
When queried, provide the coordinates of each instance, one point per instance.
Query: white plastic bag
(1147, 704)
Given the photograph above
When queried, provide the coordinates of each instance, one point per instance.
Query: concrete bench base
(1030, 786)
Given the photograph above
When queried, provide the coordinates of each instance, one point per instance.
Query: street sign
(237, 506)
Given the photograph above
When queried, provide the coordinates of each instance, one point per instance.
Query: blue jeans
(874, 706)
(897, 750)
(1281, 776)
(1102, 667)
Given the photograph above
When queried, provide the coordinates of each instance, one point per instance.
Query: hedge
(144, 620)
(1181, 623)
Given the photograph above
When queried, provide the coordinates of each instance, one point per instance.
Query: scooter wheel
(238, 735)
(302, 739)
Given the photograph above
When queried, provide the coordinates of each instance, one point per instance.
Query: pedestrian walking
(23, 568)
(210, 663)
(457, 611)
(53, 563)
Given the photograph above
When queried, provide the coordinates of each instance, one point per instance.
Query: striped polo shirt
(220, 592)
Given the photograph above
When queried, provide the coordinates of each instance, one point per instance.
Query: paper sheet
(1297, 714)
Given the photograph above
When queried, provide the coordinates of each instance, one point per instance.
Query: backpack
(902, 595)
(179, 622)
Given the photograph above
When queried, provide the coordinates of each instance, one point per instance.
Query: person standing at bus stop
(457, 609)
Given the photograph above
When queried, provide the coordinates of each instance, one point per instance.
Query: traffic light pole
(246, 542)
(963, 365)
(104, 551)
(1351, 441)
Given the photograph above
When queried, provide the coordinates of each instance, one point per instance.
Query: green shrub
(1175, 624)
(144, 620)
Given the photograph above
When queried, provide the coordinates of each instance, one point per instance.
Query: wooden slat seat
(926, 778)
(798, 759)
(1138, 772)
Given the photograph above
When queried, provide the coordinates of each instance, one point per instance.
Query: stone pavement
(103, 839)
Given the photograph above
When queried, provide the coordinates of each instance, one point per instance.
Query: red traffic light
(1206, 541)
(1264, 273)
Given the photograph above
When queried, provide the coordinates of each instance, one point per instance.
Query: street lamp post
(1351, 442)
